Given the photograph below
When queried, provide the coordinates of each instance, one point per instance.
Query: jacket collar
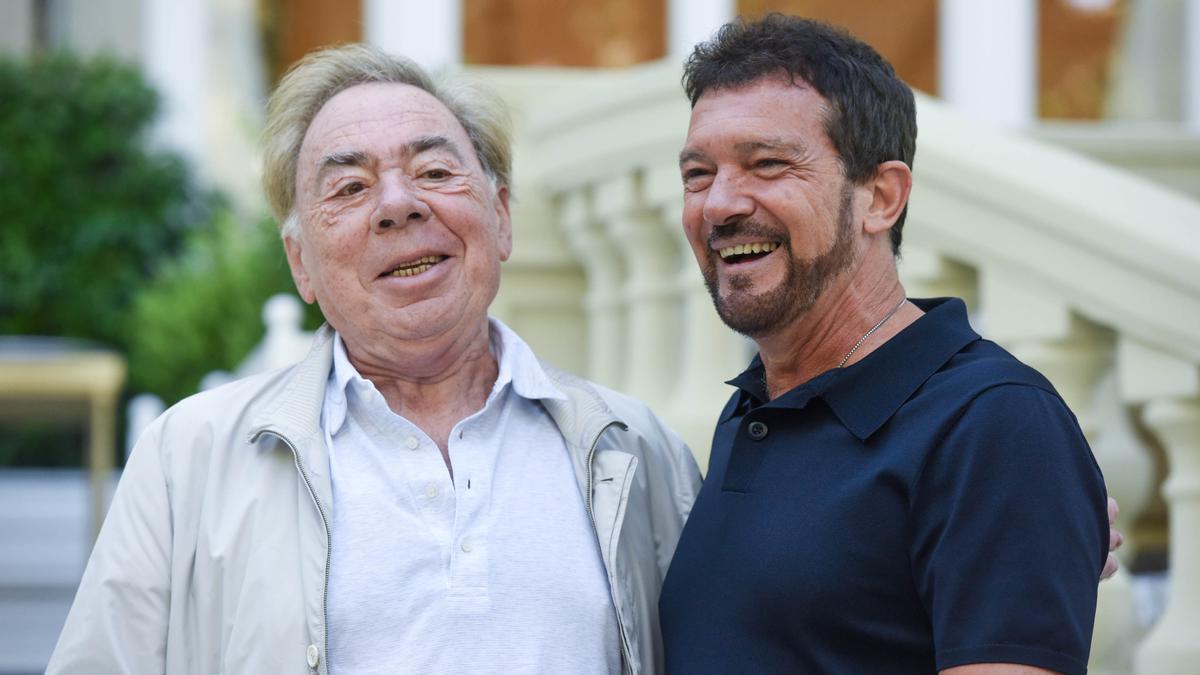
(295, 414)
(580, 414)
(865, 395)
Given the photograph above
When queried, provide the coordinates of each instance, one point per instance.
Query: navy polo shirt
(930, 506)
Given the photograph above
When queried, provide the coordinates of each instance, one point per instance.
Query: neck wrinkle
(432, 376)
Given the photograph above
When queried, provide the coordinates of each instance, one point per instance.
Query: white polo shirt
(495, 571)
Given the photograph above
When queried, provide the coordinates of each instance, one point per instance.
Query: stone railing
(1085, 271)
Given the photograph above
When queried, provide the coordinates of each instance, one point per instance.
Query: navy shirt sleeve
(1009, 534)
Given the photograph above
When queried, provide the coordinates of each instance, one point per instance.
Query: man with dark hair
(888, 492)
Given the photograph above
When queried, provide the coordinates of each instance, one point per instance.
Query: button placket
(469, 559)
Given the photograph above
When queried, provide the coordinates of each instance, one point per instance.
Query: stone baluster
(1170, 387)
(602, 301)
(650, 296)
(709, 353)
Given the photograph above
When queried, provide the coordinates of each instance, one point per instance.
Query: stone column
(175, 59)
(1147, 70)
(1191, 66)
(987, 67)
(429, 33)
(692, 21)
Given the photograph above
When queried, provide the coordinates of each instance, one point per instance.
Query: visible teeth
(744, 249)
(417, 266)
(410, 271)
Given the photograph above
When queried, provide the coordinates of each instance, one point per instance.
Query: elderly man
(888, 493)
(420, 494)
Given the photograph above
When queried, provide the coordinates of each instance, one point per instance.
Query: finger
(1110, 567)
(1115, 539)
(1113, 510)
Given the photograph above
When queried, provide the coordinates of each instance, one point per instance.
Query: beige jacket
(213, 557)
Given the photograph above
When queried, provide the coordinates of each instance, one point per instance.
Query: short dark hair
(872, 115)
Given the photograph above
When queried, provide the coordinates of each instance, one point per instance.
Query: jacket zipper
(612, 589)
(328, 548)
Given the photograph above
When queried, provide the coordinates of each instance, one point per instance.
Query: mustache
(745, 226)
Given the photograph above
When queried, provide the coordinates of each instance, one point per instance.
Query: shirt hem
(1020, 654)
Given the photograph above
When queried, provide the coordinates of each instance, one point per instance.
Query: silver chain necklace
(867, 334)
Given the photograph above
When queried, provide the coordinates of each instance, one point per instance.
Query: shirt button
(465, 545)
(431, 490)
(757, 430)
(412, 442)
(313, 655)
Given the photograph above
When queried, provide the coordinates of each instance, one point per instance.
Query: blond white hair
(321, 75)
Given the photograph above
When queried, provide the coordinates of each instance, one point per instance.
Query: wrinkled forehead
(378, 119)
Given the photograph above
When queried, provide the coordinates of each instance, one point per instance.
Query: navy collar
(865, 395)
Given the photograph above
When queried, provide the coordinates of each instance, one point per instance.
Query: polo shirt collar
(519, 365)
(865, 395)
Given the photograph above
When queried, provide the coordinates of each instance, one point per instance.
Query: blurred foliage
(104, 238)
(204, 310)
(86, 209)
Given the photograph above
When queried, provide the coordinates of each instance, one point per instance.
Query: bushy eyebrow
(336, 159)
(427, 143)
(413, 148)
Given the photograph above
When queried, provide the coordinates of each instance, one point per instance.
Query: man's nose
(399, 204)
(726, 200)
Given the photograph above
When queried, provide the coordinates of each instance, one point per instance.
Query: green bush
(204, 311)
(87, 212)
(86, 209)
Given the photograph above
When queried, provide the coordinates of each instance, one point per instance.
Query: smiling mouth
(415, 267)
(746, 252)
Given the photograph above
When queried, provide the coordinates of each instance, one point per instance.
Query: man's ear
(295, 260)
(890, 189)
(504, 228)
